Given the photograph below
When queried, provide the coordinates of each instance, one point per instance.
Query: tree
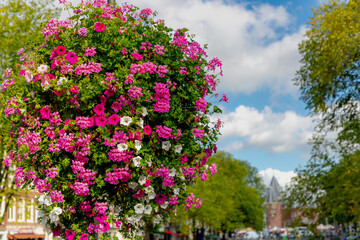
(20, 22)
(19, 25)
(329, 83)
(229, 199)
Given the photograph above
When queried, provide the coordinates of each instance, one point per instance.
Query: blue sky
(265, 122)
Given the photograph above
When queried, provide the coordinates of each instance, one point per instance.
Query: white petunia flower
(148, 189)
(53, 217)
(182, 178)
(28, 76)
(157, 219)
(178, 148)
(149, 162)
(136, 161)
(164, 205)
(137, 217)
(57, 210)
(126, 121)
(117, 209)
(139, 233)
(41, 214)
(184, 186)
(151, 195)
(137, 145)
(61, 81)
(122, 147)
(172, 172)
(142, 223)
(44, 221)
(46, 86)
(166, 145)
(132, 185)
(47, 201)
(139, 208)
(141, 123)
(176, 191)
(156, 209)
(206, 167)
(148, 209)
(42, 69)
(41, 199)
(142, 180)
(144, 112)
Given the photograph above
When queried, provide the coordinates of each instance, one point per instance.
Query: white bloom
(176, 191)
(148, 189)
(139, 208)
(206, 167)
(184, 186)
(61, 81)
(142, 223)
(130, 220)
(132, 185)
(178, 148)
(126, 121)
(122, 147)
(44, 221)
(57, 210)
(137, 145)
(175, 212)
(151, 195)
(139, 233)
(157, 209)
(172, 172)
(182, 178)
(157, 219)
(142, 180)
(53, 217)
(28, 76)
(148, 209)
(46, 85)
(144, 112)
(141, 123)
(137, 217)
(42, 69)
(47, 201)
(166, 145)
(136, 161)
(149, 162)
(41, 214)
(41, 199)
(164, 205)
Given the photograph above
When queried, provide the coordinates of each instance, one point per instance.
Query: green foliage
(229, 198)
(20, 23)
(329, 83)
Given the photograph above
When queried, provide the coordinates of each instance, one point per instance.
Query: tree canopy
(329, 83)
(230, 199)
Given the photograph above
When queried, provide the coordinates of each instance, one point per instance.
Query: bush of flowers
(110, 120)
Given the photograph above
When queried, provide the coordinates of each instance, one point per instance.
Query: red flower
(74, 90)
(160, 198)
(139, 193)
(61, 50)
(147, 130)
(56, 232)
(147, 183)
(71, 58)
(99, 27)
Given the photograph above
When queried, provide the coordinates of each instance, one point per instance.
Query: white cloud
(247, 40)
(283, 178)
(274, 132)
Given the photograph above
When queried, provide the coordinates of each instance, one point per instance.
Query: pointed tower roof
(274, 191)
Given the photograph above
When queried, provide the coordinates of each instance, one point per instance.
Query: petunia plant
(111, 120)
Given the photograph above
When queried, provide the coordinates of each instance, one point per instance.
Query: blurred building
(274, 209)
(20, 219)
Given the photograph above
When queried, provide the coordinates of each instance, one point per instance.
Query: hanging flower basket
(111, 120)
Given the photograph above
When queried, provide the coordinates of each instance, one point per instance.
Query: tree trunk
(148, 231)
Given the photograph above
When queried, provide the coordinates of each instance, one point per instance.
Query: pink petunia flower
(61, 50)
(99, 109)
(224, 98)
(70, 235)
(100, 121)
(45, 112)
(99, 27)
(147, 130)
(113, 119)
(71, 58)
(160, 198)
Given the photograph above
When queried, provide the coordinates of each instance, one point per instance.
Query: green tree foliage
(230, 198)
(20, 23)
(329, 83)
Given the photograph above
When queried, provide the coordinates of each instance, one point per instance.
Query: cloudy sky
(265, 122)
